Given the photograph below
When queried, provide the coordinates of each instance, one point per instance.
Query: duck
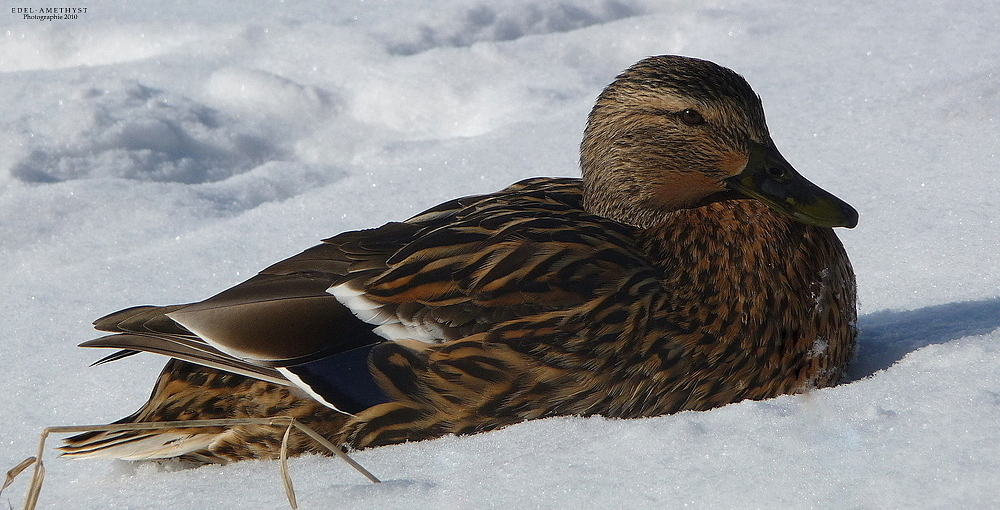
(690, 267)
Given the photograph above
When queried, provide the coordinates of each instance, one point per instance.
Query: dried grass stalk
(35, 488)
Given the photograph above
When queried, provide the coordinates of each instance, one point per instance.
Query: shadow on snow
(886, 336)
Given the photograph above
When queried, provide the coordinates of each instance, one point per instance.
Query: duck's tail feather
(115, 356)
(142, 319)
(187, 348)
(186, 391)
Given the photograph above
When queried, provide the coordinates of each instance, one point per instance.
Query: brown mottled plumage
(690, 268)
(186, 391)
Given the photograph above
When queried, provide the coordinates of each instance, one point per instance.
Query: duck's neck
(645, 211)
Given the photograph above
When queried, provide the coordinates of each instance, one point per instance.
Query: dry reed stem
(35, 488)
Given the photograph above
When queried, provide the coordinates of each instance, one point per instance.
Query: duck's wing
(288, 312)
(455, 270)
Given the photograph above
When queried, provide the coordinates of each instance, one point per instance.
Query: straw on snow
(35, 487)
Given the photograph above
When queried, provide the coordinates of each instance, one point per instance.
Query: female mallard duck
(691, 267)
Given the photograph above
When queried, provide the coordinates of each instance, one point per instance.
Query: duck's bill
(772, 180)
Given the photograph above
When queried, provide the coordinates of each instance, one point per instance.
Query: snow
(160, 152)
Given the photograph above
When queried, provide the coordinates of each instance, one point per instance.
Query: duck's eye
(692, 117)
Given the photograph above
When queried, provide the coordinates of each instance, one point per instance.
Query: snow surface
(158, 152)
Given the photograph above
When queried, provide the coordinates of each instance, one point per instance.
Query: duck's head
(675, 132)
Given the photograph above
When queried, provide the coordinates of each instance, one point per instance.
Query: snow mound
(133, 131)
(60, 45)
(491, 22)
(259, 93)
